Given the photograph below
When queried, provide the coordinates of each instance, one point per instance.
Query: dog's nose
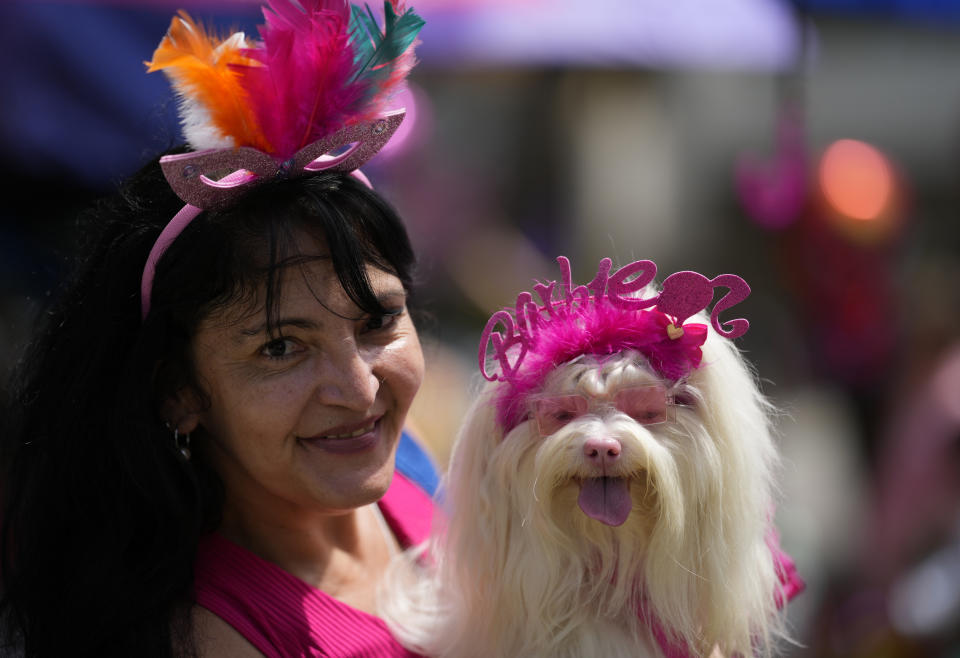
(602, 451)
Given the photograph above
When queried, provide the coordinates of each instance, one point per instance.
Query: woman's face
(310, 417)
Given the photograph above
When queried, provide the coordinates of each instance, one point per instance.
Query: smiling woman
(305, 424)
(199, 448)
(279, 341)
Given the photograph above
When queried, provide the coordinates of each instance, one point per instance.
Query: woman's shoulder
(215, 638)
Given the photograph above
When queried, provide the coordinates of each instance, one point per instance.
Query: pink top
(283, 616)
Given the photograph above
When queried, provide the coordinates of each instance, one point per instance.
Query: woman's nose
(347, 379)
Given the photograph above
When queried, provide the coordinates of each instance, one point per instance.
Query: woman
(279, 341)
(199, 449)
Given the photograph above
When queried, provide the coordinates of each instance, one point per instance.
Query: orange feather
(214, 106)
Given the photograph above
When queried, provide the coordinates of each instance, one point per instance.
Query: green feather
(374, 48)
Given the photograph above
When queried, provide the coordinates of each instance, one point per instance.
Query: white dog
(619, 512)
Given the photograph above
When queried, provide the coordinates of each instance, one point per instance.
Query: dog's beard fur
(516, 568)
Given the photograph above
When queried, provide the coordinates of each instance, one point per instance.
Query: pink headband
(602, 318)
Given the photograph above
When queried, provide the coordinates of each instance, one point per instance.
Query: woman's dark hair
(101, 516)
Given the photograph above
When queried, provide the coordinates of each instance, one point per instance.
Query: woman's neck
(342, 553)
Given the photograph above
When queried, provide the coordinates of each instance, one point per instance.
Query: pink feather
(303, 90)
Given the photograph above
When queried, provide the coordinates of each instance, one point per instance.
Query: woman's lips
(348, 439)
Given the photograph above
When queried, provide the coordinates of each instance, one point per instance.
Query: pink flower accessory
(603, 317)
(313, 94)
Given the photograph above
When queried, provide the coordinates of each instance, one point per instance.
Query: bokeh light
(856, 179)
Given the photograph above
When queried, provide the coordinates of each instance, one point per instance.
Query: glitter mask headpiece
(602, 318)
(310, 96)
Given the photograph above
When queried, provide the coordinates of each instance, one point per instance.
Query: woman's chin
(363, 484)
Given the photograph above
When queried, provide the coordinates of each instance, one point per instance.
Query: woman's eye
(378, 322)
(279, 348)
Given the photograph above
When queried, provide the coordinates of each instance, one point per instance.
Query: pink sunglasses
(648, 405)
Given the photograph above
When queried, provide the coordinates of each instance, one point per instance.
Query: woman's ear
(183, 410)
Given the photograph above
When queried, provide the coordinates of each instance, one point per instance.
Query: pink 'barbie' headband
(601, 318)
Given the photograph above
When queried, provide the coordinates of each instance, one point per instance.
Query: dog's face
(672, 512)
(645, 494)
(622, 502)
(609, 444)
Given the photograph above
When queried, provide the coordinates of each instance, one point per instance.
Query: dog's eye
(645, 404)
(649, 416)
(555, 412)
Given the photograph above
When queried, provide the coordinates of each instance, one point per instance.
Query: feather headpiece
(319, 66)
(310, 95)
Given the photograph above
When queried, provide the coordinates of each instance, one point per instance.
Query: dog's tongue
(606, 499)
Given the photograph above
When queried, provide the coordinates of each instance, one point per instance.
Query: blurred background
(812, 147)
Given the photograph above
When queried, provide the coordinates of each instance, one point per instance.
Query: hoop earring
(182, 443)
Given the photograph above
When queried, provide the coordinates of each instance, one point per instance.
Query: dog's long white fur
(515, 568)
